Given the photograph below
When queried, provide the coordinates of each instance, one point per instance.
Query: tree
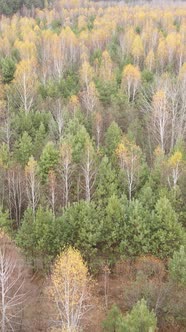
(131, 78)
(25, 83)
(38, 238)
(106, 182)
(150, 60)
(89, 98)
(140, 319)
(112, 220)
(70, 289)
(162, 53)
(48, 161)
(52, 188)
(16, 187)
(136, 233)
(88, 167)
(78, 137)
(175, 167)
(8, 7)
(80, 227)
(129, 156)
(32, 184)
(12, 286)
(8, 69)
(58, 110)
(66, 168)
(177, 267)
(112, 138)
(24, 148)
(165, 228)
(160, 118)
(106, 68)
(113, 320)
(98, 126)
(86, 74)
(137, 49)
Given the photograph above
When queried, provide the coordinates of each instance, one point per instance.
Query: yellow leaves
(131, 80)
(175, 165)
(74, 103)
(26, 49)
(74, 100)
(66, 153)
(182, 73)
(106, 69)
(121, 150)
(31, 167)
(126, 149)
(162, 50)
(47, 35)
(82, 23)
(69, 271)
(129, 156)
(150, 60)
(69, 37)
(86, 73)
(131, 72)
(26, 83)
(159, 99)
(137, 47)
(26, 67)
(175, 159)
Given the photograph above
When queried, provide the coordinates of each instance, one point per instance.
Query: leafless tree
(89, 170)
(12, 287)
(32, 184)
(66, 169)
(16, 183)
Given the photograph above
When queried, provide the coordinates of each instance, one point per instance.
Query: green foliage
(8, 68)
(4, 155)
(39, 140)
(37, 236)
(56, 25)
(147, 76)
(112, 138)
(5, 222)
(96, 55)
(69, 86)
(49, 160)
(140, 319)
(31, 122)
(113, 223)
(107, 91)
(80, 227)
(90, 22)
(106, 183)
(66, 87)
(8, 7)
(165, 229)
(78, 136)
(136, 230)
(177, 266)
(113, 319)
(24, 148)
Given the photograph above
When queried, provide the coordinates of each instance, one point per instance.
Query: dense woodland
(92, 166)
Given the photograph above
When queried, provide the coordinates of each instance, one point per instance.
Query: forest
(92, 166)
